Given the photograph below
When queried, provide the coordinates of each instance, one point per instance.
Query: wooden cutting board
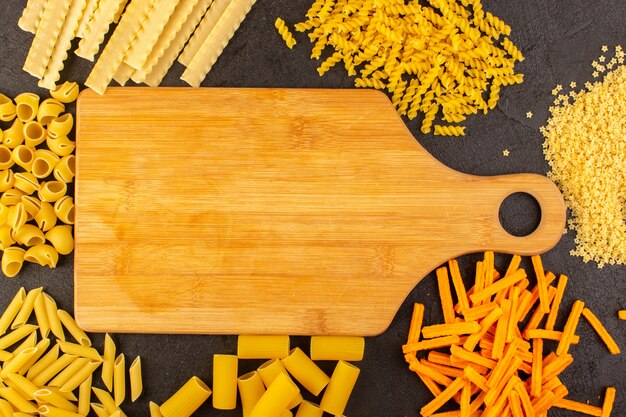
(270, 211)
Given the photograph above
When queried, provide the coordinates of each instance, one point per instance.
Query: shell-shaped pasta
(7, 109)
(34, 133)
(30, 235)
(24, 156)
(66, 92)
(61, 146)
(26, 182)
(61, 238)
(49, 109)
(27, 105)
(52, 191)
(4, 213)
(65, 170)
(17, 216)
(6, 237)
(6, 159)
(14, 136)
(46, 218)
(44, 163)
(7, 179)
(11, 197)
(31, 204)
(64, 209)
(61, 126)
(12, 261)
(44, 255)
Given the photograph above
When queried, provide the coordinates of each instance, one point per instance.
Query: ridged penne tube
(305, 371)
(14, 136)
(26, 182)
(32, 205)
(41, 346)
(187, 399)
(54, 368)
(84, 396)
(11, 197)
(7, 179)
(26, 106)
(49, 109)
(46, 360)
(6, 158)
(34, 133)
(108, 362)
(27, 343)
(45, 161)
(46, 218)
(61, 238)
(64, 209)
(29, 235)
(23, 385)
(44, 255)
(308, 409)
(83, 351)
(23, 156)
(32, 15)
(66, 92)
(17, 217)
(41, 314)
(67, 395)
(17, 362)
(53, 316)
(339, 388)
(52, 191)
(6, 410)
(203, 30)
(276, 399)
(251, 389)
(155, 410)
(119, 379)
(80, 376)
(67, 372)
(7, 109)
(61, 146)
(225, 382)
(51, 411)
(27, 308)
(47, 396)
(262, 347)
(100, 410)
(11, 311)
(95, 31)
(270, 370)
(70, 324)
(65, 170)
(61, 126)
(136, 381)
(17, 400)
(106, 400)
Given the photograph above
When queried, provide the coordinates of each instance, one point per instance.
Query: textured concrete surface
(559, 39)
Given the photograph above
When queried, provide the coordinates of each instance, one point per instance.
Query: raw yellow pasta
(51, 411)
(52, 191)
(17, 362)
(108, 362)
(32, 15)
(64, 209)
(23, 156)
(41, 346)
(4, 212)
(99, 409)
(136, 382)
(119, 379)
(65, 169)
(34, 133)
(270, 370)
(44, 163)
(44, 255)
(155, 411)
(305, 371)
(123, 73)
(94, 32)
(26, 106)
(85, 19)
(66, 92)
(26, 182)
(47, 396)
(61, 146)
(105, 398)
(29, 342)
(225, 382)
(70, 324)
(80, 376)
(79, 350)
(42, 316)
(49, 109)
(7, 179)
(7, 109)
(22, 385)
(27, 308)
(334, 348)
(84, 396)
(279, 395)
(46, 218)
(339, 388)
(17, 400)
(44, 363)
(14, 136)
(262, 347)
(187, 399)
(284, 32)
(16, 217)
(203, 30)
(67, 372)
(12, 310)
(29, 235)
(308, 409)
(251, 389)
(61, 126)
(54, 368)
(61, 238)
(11, 197)
(6, 158)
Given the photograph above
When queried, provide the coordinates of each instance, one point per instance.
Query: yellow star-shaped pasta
(595, 74)
(529, 115)
(505, 152)
(602, 58)
(605, 48)
(572, 84)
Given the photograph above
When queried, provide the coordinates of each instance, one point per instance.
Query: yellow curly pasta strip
(203, 31)
(90, 8)
(31, 16)
(449, 130)
(97, 28)
(123, 73)
(283, 31)
(429, 118)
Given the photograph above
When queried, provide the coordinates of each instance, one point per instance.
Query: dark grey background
(559, 40)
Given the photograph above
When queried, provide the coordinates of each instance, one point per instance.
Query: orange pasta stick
(548, 335)
(496, 392)
(478, 312)
(485, 324)
(443, 398)
(503, 398)
(543, 403)
(512, 325)
(537, 367)
(524, 301)
(527, 405)
(431, 344)
(488, 265)
(609, 399)
(513, 265)
(479, 281)
(579, 407)
(499, 285)
(501, 331)
(445, 295)
(622, 314)
(430, 384)
(472, 357)
(526, 367)
(440, 358)
(496, 374)
(476, 378)
(556, 303)
(570, 327)
(466, 399)
(556, 367)
(430, 373)
(516, 404)
(443, 369)
(541, 284)
(552, 384)
(601, 330)
(538, 314)
(416, 323)
(560, 392)
(459, 287)
(439, 330)
(462, 364)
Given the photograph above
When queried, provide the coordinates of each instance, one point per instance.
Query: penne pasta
(41, 315)
(136, 381)
(16, 335)
(119, 379)
(70, 324)
(251, 389)
(308, 409)
(44, 363)
(84, 396)
(155, 411)
(51, 411)
(67, 373)
(187, 399)
(54, 368)
(21, 384)
(79, 350)
(277, 398)
(262, 347)
(17, 362)
(305, 371)
(100, 410)
(105, 398)
(203, 30)
(26, 310)
(12, 310)
(42, 346)
(6, 410)
(47, 396)
(270, 370)
(225, 382)
(339, 388)
(53, 317)
(80, 376)
(108, 362)
(17, 400)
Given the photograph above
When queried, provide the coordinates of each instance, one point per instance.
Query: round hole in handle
(520, 214)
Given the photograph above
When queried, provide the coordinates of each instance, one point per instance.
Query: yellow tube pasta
(12, 310)
(6, 158)
(84, 396)
(70, 370)
(52, 191)
(42, 346)
(225, 382)
(305, 371)
(44, 363)
(61, 146)
(61, 126)
(66, 92)
(70, 324)
(251, 389)
(105, 398)
(41, 315)
(100, 410)
(28, 342)
(23, 156)
(119, 379)
(80, 376)
(47, 396)
(27, 308)
(14, 136)
(27, 105)
(17, 362)
(17, 400)
(55, 367)
(79, 350)
(136, 381)
(46, 218)
(64, 209)
(44, 255)
(308, 409)
(65, 170)
(339, 388)
(23, 385)
(109, 362)
(277, 398)
(34, 133)
(61, 238)
(7, 109)
(6, 410)
(270, 370)
(262, 347)
(187, 399)
(49, 109)
(53, 317)
(44, 163)
(51, 411)
(155, 411)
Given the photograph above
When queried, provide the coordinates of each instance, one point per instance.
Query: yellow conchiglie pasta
(61, 238)
(27, 105)
(44, 163)
(31, 204)
(14, 136)
(34, 133)
(26, 182)
(66, 92)
(17, 216)
(11, 197)
(7, 109)
(49, 109)
(6, 159)
(65, 169)
(12, 261)
(61, 146)
(52, 191)
(64, 209)
(24, 156)
(46, 218)
(6, 237)
(7, 179)
(29, 235)
(61, 126)
(44, 255)
(4, 212)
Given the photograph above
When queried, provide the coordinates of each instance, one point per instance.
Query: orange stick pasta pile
(484, 359)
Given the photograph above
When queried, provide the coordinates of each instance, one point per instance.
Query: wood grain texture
(280, 211)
